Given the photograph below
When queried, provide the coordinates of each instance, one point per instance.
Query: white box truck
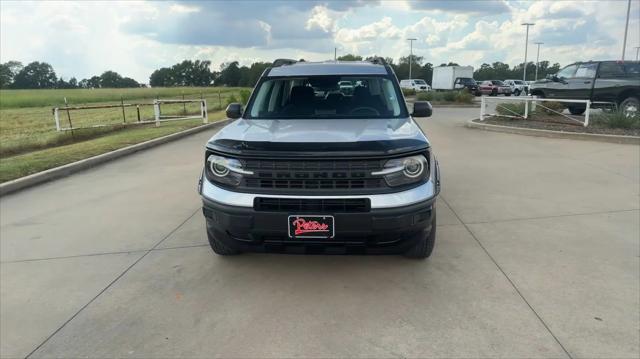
(444, 77)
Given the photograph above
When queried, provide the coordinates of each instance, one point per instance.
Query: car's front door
(559, 87)
(580, 85)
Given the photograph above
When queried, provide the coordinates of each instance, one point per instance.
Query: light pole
(637, 51)
(411, 40)
(538, 58)
(335, 54)
(626, 29)
(526, 47)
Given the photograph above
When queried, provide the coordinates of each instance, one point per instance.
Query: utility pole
(411, 40)
(637, 51)
(626, 29)
(526, 47)
(335, 54)
(538, 58)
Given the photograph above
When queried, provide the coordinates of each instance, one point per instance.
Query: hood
(319, 136)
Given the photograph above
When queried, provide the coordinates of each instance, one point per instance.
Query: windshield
(518, 82)
(420, 82)
(326, 97)
(497, 83)
(467, 81)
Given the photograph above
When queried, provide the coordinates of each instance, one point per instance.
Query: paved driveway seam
(555, 216)
(112, 282)
(507, 277)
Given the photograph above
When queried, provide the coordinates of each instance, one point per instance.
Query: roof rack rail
(281, 62)
(377, 60)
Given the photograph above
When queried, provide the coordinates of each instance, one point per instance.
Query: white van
(415, 84)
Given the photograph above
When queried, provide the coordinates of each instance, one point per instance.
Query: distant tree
(36, 75)
(185, 73)
(162, 77)
(8, 71)
(71, 84)
(93, 82)
(112, 79)
(349, 57)
(402, 68)
(229, 74)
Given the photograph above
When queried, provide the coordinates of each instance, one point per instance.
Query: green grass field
(29, 142)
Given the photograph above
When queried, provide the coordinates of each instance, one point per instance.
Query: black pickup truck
(608, 84)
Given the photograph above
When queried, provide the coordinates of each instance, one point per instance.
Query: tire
(220, 248)
(630, 106)
(424, 247)
(576, 110)
(516, 93)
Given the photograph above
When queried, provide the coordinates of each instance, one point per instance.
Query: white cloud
(135, 38)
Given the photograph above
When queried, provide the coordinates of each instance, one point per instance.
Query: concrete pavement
(537, 255)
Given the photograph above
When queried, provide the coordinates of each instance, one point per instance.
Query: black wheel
(220, 248)
(516, 93)
(630, 107)
(424, 247)
(574, 110)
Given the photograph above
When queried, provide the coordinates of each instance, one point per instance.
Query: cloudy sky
(133, 38)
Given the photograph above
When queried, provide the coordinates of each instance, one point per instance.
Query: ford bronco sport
(308, 167)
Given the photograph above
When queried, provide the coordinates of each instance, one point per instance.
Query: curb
(628, 140)
(73, 167)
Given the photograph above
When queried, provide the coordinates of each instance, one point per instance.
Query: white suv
(518, 87)
(415, 84)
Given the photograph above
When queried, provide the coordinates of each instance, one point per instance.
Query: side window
(587, 70)
(611, 69)
(567, 72)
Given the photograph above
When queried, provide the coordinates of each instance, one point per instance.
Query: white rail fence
(530, 104)
(158, 116)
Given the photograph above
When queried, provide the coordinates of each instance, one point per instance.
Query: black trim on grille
(305, 205)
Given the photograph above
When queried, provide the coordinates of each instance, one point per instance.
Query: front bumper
(375, 232)
(394, 223)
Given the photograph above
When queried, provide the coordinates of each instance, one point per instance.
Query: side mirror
(422, 109)
(234, 110)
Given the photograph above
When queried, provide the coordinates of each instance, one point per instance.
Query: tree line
(38, 75)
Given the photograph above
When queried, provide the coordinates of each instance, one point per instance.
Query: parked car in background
(606, 83)
(446, 77)
(518, 87)
(494, 88)
(467, 83)
(415, 84)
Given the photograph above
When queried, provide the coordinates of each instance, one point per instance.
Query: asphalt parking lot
(537, 256)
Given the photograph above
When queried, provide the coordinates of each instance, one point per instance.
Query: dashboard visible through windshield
(327, 97)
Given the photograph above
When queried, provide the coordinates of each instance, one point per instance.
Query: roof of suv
(328, 68)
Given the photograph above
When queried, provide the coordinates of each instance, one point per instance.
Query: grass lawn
(29, 142)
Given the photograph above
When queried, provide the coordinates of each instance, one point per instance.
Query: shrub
(449, 96)
(408, 92)
(615, 120)
(244, 96)
(510, 109)
(425, 96)
(464, 97)
(555, 106)
(231, 99)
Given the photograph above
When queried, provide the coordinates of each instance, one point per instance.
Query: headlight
(224, 170)
(403, 171)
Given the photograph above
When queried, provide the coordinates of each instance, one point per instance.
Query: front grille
(303, 205)
(319, 175)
